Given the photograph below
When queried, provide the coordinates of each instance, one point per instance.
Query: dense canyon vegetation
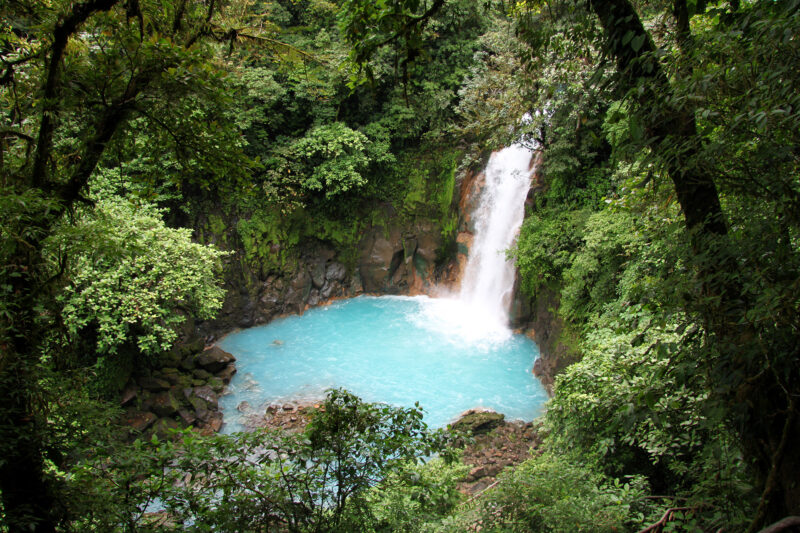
(173, 169)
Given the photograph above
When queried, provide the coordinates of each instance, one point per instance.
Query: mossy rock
(478, 422)
(164, 428)
(199, 373)
(187, 348)
(165, 404)
(216, 384)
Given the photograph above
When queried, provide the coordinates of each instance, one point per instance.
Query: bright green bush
(416, 497)
(133, 279)
(552, 493)
(546, 244)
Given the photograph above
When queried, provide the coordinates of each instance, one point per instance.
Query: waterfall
(478, 315)
(488, 279)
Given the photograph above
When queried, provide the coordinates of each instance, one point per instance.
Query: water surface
(396, 350)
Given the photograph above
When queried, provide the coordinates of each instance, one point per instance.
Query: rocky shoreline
(186, 396)
(496, 444)
(182, 394)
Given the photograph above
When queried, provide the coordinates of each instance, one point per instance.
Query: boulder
(214, 359)
(212, 422)
(318, 275)
(477, 473)
(171, 375)
(199, 406)
(154, 384)
(164, 428)
(226, 374)
(188, 417)
(313, 297)
(477, 422)
(184, 349)
(270, 300)
(183, 381)
(327, 289)
(216, 384)
(335, 272)
(165, 404)
(187, 363)
(139, 420)
(206, 393)
(199, 373)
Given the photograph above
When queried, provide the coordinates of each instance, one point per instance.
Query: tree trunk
(696, 191)
(27, 498)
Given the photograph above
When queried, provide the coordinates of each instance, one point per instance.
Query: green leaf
(638, 41)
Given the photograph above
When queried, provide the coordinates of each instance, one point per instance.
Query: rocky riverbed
(496, 444)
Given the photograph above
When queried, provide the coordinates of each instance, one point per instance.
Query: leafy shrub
(554, 494)
(323, 479)
(546, 244)
(417, 496)
(133, 279)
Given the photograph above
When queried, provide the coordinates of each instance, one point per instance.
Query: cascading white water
(479, 314)
(488, 279)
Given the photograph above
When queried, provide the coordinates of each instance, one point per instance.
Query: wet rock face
(378, 248)
(390, 257)
(214, 359)
(538, 319)
(399, 260)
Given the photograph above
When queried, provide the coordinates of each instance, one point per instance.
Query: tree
(672, 132)
(73, 77)
(370, 26)
(136, 284)
(673, 85)
(319, 480)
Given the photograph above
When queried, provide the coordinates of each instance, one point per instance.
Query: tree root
(666, 518)
(781, 525)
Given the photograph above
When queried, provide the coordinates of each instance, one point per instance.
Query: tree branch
(664, 519)
(781, 525)
(61, 34)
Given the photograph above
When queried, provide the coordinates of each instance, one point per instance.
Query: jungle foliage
(689, 371)
(352, 462)
(135, 133)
